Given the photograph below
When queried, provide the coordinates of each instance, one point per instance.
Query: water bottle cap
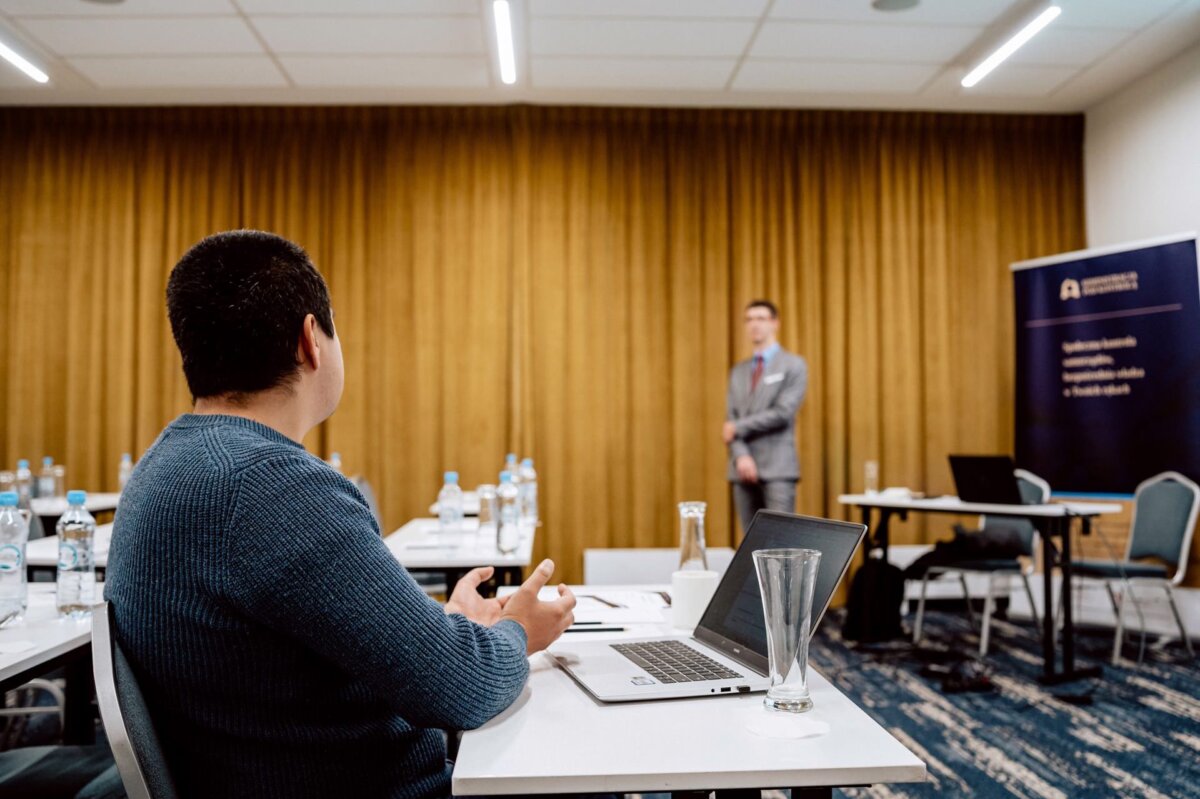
(47, 461)
(506, 477)
(126, 457)
(451, 477)
(8, 499)
(76, 497)
(337, 456)
(527, 462)
(22, 464)
(511, 458)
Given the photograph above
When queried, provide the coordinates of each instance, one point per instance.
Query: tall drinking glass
(691, 536)
(786, 579)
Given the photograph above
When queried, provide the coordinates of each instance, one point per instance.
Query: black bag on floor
(873, 610)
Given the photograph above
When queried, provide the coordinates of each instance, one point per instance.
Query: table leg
(1050, 675)
(79, 722)
(1048, 561)
(866, 520)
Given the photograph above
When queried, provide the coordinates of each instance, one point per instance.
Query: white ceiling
(794, 53)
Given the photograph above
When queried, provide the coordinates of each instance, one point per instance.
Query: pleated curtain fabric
(566, 283)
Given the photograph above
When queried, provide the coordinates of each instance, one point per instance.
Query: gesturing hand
(728, 432)
(466, 598)
(544, 622)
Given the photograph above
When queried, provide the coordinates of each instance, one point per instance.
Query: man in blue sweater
(282, 649)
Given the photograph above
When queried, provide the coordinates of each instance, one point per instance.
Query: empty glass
(487, 503)
(691, 536)
(871, 477)
(786, 579)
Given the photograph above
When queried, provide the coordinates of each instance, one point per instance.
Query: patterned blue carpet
(1138, 737)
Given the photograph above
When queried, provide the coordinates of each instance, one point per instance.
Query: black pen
(595, 629)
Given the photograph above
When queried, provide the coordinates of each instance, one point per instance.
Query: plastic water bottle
(529, 492)
(14, 534)
(510, 464)
(45, 481)
(450, 504)
(124, 470)
(24, 484)
(76, 558)
(508, 534)
(335, 462)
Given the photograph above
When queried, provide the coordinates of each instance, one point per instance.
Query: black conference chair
(1034, 491)
(131, 735)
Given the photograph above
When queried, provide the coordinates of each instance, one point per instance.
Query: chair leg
(1119, 633)
(920, 609)
(962, 579)
(1187, 642)
(989, 607)
(1033, 611)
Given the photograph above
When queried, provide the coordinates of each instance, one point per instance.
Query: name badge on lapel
(775, 378)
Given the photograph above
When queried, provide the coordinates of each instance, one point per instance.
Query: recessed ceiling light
(504, 41)
(1011, 46)
(893, 5)
(20, 62)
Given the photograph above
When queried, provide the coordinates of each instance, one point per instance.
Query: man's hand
(544, 622)
(729, 432)
(747, 469)
(467, 601)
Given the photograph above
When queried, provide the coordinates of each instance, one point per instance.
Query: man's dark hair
(237, 302)
(770, 306)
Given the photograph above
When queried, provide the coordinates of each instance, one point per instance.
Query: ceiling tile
(631, 73)
(13, 78)
(141, 36)
(827, 41)
(1124, 14)
(186, 71)
(1068, 46)
(940, 12)
(400, 71)
(627, 37)
(695, 9)
(127, 8)
(833, 76)
(350, 7)
(1015, 80)
(372, 35)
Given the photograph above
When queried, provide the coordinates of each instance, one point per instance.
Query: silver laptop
(727, 653)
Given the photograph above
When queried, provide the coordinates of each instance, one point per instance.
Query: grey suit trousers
(749, 498)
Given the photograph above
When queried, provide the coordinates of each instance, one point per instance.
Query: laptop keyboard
(674, 661)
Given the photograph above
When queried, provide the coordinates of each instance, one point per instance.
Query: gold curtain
(563, 282)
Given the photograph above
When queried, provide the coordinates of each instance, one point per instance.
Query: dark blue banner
(1108, 366)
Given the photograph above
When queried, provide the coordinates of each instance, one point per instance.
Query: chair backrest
(368, 493)
(1034, 491)
(643, 565)
(1164, 516)
(130, 732)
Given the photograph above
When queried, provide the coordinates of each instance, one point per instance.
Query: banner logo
(1069, 290)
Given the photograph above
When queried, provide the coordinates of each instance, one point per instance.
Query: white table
(42, 553)
(57, 506)
(41, 642)
(1051, 520)
(557, 739)
(420, 546)
(470, 504)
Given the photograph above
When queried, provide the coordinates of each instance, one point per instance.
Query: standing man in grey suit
(765, 393)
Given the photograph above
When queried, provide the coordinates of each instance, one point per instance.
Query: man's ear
(308, 350)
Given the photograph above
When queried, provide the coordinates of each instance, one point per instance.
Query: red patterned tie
(756, 375)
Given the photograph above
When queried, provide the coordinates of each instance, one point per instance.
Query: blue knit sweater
(282, 649)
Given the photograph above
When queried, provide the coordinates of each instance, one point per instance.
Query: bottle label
(11, 558)
(68, 555)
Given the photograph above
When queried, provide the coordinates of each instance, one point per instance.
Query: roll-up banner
(1108, 365)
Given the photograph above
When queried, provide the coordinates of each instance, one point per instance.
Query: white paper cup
(690, 595)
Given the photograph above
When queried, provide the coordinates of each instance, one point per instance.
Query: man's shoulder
(792, 360)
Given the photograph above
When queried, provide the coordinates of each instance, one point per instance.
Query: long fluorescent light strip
(1011, 46)
(504, 41)
(17, 60)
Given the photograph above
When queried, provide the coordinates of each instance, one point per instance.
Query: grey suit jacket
(766, 417)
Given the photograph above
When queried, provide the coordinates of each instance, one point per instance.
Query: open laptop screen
(733, 620)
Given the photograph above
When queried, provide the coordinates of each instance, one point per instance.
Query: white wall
(1142, 156)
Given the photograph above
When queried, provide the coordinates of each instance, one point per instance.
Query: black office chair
(1034, 491)
(131, 735)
